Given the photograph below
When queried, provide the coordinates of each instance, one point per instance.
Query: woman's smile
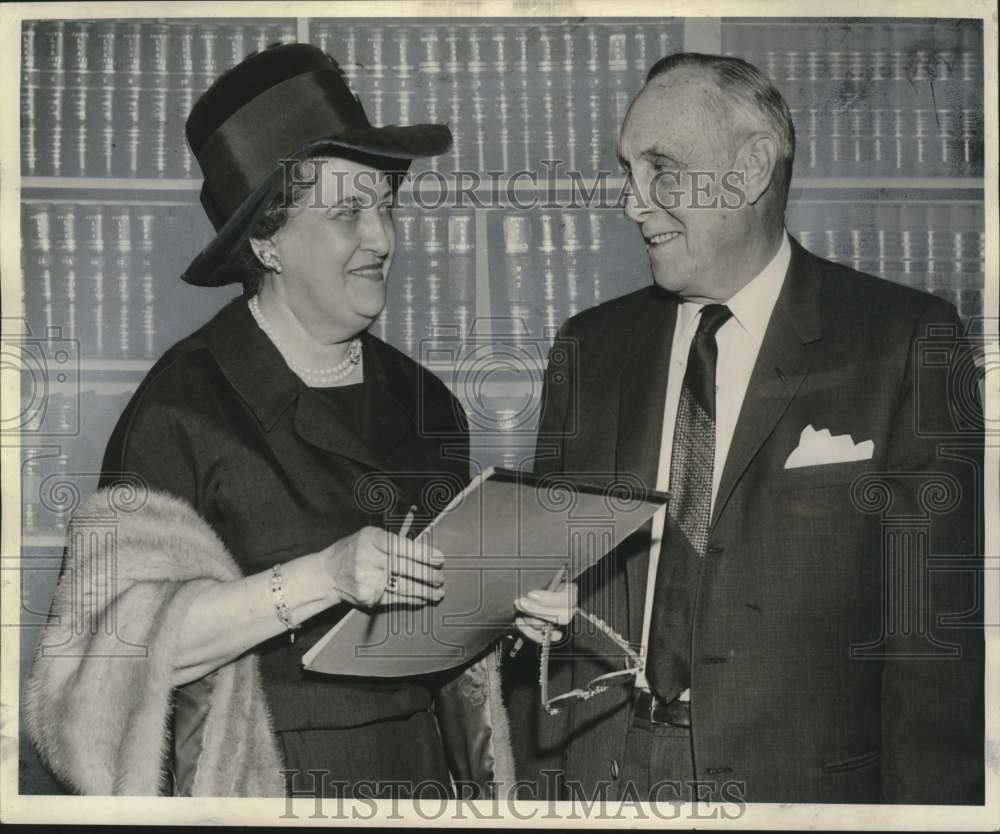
(373, 271)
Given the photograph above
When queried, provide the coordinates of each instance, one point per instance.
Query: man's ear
(759, 153)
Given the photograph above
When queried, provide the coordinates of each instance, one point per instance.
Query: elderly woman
(266, 455)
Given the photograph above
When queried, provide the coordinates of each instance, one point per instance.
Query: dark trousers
(659, 765)
(402, 758)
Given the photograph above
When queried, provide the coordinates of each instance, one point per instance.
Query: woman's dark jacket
(278, 472)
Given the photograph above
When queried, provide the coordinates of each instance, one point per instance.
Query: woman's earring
(273, 264)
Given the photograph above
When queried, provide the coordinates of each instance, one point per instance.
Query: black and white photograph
(472, 414)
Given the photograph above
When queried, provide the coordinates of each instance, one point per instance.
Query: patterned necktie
(685, 533)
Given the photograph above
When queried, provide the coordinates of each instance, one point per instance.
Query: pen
(404, 531)
(554, 585)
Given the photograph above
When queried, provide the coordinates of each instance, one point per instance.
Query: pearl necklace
(311, 376)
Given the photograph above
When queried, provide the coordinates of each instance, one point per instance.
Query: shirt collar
(752, 305)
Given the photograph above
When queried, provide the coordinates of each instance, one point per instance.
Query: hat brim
(392, 143)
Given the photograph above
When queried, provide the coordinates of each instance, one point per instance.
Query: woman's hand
(541, 608)
(363, 568)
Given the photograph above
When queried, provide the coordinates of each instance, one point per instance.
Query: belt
(648, 707)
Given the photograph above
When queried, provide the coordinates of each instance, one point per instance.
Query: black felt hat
(285, 102)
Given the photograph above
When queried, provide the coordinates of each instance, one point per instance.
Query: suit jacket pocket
(851, 763)
(820, 475)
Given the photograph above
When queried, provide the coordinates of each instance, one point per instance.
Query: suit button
(714, 549)
(615, 769)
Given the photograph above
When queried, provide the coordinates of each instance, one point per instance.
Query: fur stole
(98, 699)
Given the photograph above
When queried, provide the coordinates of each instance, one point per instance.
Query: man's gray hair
(749, 98)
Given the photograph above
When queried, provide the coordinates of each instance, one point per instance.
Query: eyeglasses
(602, 683)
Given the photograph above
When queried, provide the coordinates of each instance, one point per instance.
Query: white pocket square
(819, 447)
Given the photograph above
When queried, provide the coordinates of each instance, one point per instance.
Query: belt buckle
(658, 712)
(652, 709)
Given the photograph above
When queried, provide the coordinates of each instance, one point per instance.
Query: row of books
(91, 277)
(105, 277)
(110, 98)
(513, 93)
(935, 243)
(890, 99)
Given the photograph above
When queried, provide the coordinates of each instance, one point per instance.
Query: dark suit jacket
(836, 655)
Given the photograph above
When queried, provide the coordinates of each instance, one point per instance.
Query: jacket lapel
(642, 394)
(259, 374)
(781, 367)
(387, 419)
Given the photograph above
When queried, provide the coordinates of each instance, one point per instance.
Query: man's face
(684, 194)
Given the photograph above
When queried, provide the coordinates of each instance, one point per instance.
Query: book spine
(131, 41)
(595, 116)
(78, 98)
(547, 273)
(428, 325)
(595, 222)
(208, 63)
(475, 68)
(569, 116)
(544, 82)
(617, 73)
(524, 127)
(156, 110)
(235, 48)
(121, 224)
(404, 76)
(65, 274)
(29, 101)
(54, 84)
(461, 300)
(456, 116)
(95, 288)
(504, 102)
(104, 117)
(430, 70)
(397, 324)
(38, 299)
(517, 300)
(184, 92)
(570, 289)
(641, 60)
(146, 297)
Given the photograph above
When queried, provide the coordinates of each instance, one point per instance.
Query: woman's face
(335, 250)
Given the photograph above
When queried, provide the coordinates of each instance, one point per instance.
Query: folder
(506, 534)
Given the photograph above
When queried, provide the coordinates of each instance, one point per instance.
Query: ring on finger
(392, 583)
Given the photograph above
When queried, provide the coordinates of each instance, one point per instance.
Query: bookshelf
(888, 179)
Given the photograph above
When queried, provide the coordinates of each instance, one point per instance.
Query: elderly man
(807, 609)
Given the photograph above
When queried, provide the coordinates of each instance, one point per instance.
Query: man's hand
(541, 608)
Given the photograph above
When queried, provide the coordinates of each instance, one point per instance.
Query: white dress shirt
(738, 341)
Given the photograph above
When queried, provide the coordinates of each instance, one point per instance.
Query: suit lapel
(642, 393)
(781, 367)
